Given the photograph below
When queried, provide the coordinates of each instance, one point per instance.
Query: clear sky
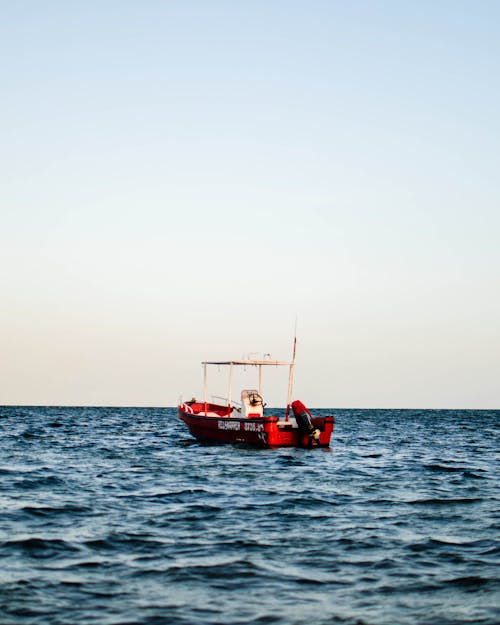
(179, 180)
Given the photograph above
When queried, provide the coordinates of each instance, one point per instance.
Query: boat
(248, 422)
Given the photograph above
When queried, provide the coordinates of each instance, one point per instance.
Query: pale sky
(179, 180)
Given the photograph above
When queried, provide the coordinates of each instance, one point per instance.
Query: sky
(181, 181)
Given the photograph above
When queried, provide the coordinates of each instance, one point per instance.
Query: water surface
(117, 516)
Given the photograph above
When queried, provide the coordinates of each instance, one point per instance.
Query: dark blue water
(117, 516)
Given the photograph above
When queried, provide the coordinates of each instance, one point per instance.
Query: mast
(290, 375)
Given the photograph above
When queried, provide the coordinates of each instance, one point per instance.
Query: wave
(443, 501)
(38, 547)
(51, 511)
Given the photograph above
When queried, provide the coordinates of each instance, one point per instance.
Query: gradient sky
(179, 180)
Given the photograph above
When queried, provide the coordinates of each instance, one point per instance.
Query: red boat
(248, 422)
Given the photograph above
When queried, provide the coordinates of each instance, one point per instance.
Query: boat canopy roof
(274, 363)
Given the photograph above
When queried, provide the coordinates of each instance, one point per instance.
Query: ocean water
(118, 516)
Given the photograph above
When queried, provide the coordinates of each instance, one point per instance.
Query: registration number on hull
(236, 426)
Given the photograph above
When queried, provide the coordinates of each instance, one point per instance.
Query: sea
(117, 516)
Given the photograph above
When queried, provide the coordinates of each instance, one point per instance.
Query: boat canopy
(243, 363)
(274, 363)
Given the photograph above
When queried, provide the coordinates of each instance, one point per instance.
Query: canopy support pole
(260, 380)
(230, 388)
(205, 386)
(290, 384)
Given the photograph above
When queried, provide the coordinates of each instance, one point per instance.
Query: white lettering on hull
(254, 427)
(237, 426)
(251, 426)
(228, 425)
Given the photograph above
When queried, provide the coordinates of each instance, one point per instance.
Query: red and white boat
(249, 423)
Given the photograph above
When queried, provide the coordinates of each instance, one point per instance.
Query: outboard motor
(303, 418)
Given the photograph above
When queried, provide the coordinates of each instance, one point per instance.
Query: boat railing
(235, 404)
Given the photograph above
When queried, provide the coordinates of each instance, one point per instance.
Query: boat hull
(267, 431)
